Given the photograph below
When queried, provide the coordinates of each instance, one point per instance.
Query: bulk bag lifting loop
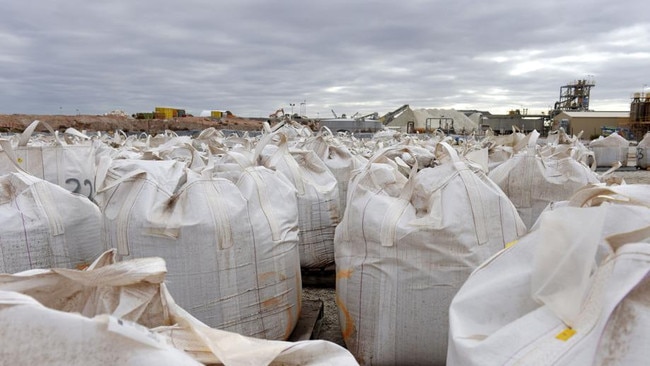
(44, 224)
(69, 166)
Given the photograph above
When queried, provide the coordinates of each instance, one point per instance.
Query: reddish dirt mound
(18, 122)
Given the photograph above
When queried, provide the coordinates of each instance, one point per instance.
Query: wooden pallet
(311, 317)
(324, 278)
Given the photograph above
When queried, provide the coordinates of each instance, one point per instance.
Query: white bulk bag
(122, 313)
(115, 147)
(610, 150)
(338, 159)
(532, 182)
(34, 334)
(178, 148)
(502, 147)
(231, 250)
(290, 128)
(403, 249)
(498, 154)
(69, 166)
(560, 145)
(209, 139)
(562, 295)
(317, 194)
(643, 152)
(44, 225)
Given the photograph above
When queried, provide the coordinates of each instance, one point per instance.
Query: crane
(274, 115)
(388, 117)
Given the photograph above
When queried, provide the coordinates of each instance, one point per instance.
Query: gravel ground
(330, 328)
(634, 176)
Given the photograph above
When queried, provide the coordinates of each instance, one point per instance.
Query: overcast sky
(253, 57)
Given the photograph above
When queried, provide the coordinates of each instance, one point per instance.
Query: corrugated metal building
(504, 123)
(591, 123)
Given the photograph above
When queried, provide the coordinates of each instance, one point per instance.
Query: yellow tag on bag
(566, 334)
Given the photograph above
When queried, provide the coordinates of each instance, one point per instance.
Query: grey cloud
(253, 57)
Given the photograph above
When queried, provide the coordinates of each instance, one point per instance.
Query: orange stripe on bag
(344, 274)
(349, 323)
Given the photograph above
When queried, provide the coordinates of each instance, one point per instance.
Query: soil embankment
(18, 122)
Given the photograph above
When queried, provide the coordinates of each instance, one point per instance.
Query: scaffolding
(639, 123)
(574, 96)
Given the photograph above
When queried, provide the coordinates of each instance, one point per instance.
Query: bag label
(136, 332)
(566, 334)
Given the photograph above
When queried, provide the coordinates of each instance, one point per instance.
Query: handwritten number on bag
(639, 153)
(75, 180)
(88, 183)
(77, 188)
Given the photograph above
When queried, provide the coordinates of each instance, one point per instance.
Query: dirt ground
(18, 122)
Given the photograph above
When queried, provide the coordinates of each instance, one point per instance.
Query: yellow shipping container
(167, 112)
(216, 114)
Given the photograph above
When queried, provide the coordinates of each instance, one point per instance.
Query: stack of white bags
(572, 292)
(122, 314)
(170, 249)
